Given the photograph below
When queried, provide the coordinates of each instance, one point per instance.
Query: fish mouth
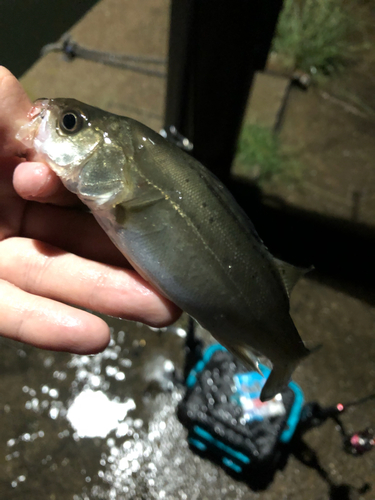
(38, 108)
(28, 132)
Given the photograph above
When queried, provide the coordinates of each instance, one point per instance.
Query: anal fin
(290, 274)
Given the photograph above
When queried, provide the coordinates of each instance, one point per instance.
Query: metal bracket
(173, 135)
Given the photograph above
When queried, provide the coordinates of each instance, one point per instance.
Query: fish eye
(71, 122)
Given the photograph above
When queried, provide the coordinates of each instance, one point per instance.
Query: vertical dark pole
(215, 46)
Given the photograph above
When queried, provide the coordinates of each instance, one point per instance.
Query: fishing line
(356, 443)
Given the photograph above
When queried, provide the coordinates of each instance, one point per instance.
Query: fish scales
(212, 219)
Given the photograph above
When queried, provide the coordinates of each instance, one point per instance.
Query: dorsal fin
(290, 274)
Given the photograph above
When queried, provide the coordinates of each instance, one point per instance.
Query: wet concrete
(96, 424)
(105, 426)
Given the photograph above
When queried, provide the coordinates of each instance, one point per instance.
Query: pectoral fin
(121, 210)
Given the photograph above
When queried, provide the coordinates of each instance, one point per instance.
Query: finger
(36, 181)
(14, 106)
(11, 206)
(43, 270)
(48, 324)
(72, 230)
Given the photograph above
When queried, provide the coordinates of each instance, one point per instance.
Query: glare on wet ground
(103, 426)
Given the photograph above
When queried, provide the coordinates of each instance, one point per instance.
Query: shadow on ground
(340, 250)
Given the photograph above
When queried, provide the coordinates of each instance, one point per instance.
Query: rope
(71, 50)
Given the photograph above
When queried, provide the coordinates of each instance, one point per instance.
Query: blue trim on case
(231, 451)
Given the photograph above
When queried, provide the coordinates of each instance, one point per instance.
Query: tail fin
(277, 381)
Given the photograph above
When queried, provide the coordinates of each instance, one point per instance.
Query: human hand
(53, 253)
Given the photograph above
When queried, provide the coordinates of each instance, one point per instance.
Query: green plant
(261, 156)
(313, 35)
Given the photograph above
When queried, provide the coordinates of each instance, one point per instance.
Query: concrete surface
(46, 453)
(118, 26)
(267, 97)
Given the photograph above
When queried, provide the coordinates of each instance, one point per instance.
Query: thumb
(14, 106)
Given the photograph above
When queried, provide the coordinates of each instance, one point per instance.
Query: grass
(261, 156)
(313, 35)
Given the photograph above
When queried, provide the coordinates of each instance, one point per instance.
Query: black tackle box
(226, 420)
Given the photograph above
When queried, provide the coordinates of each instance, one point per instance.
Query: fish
(178, 226)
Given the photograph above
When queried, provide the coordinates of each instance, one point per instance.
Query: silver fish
(178, 226)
